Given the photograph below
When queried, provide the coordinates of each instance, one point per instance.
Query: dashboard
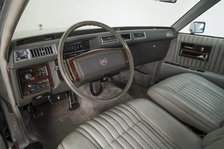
(33, 61)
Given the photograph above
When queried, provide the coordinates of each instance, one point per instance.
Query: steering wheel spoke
(72, 69)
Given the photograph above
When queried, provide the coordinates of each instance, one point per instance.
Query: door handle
(203, 56)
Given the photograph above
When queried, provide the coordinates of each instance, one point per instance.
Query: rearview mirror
(197, 27)
(168, 1)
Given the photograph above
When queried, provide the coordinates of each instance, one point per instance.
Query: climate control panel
(35, 79)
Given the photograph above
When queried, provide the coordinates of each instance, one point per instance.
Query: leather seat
(138, 124)
(192, 99)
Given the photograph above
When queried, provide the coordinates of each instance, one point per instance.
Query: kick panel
(35, 79)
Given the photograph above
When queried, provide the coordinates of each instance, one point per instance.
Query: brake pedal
(72, 100)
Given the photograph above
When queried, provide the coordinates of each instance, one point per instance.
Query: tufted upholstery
(136, 124)
(192, 99)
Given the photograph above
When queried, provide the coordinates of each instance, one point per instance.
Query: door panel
(215, 61)
(212, 69)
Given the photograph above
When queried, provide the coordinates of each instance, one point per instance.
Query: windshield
(60, 14)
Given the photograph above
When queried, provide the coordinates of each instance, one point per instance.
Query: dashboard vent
(126, 36)
(25, 54)
(140, 35)
(108, 39)
(43, 51)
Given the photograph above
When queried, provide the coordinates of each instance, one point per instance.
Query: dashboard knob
(28, 76)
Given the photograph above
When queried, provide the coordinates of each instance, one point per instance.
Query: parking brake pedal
(73, 101)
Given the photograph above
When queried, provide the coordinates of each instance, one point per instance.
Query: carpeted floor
(137, 91)
(58, 121)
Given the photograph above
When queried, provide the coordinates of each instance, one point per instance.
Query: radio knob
(28, 76)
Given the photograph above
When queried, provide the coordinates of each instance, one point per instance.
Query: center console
(35, 79)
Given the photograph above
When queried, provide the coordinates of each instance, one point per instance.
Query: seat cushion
(192, 99)
(214, 140)
(136, 124)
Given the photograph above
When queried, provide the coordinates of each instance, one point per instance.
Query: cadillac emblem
(103, 61)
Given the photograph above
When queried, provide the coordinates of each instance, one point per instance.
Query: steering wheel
(95, 63)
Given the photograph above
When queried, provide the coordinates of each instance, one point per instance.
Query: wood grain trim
(72, 69)
(125, 56)
(36, 79)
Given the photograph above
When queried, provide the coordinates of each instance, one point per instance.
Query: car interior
(95, 85)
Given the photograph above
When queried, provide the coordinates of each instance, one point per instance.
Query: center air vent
(43, 51)
(140, 35)
(108, 39)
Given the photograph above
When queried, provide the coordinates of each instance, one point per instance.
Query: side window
(214, 21)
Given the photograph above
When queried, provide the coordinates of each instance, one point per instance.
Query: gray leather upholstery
(214, 140)
(192, 99)
(136, 124)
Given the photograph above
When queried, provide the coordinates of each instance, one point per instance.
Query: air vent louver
(140, 35)
(25, 54)
(43, 51)
(107, 39)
